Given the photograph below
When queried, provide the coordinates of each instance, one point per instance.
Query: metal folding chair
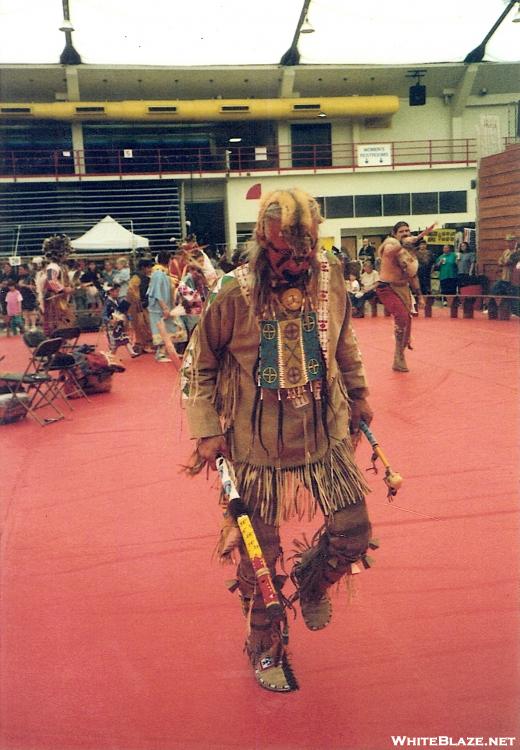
(36, 387)
(69, 338)
(65, 364)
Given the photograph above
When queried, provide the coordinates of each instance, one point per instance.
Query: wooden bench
(374, 302)
(499, 306)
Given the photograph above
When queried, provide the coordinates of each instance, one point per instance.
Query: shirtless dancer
(398, 281)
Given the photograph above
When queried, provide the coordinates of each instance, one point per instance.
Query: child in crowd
(116, 321)
(13, 301)
(29, 302)
(352, 285)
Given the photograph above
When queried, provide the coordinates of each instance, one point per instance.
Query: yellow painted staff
(392, 479)
(238, 511)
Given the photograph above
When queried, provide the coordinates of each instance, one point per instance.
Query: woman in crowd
(465, 265)
(121, 276)
(369, 280)
(29, 303)
(425, 258)
(166, 330)
(107, 274)
(447, 266)
(91, 282)
(137, 312)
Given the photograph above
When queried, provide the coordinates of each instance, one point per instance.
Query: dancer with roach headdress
(58, 311)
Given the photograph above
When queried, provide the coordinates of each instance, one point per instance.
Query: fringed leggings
(399, 311)
(342, 541)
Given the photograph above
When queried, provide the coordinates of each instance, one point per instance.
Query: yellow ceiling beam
(203, 110)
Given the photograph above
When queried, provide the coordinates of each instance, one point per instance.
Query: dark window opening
(368, 205)
(425, 203)
(453, 201)
(311, 145)
(339, 207)
(396, 204)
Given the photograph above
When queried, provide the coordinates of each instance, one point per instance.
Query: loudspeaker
(417, 95)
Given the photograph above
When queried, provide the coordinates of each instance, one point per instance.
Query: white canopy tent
(108, 234)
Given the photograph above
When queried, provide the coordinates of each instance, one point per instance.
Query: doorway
(207, 222)
(311, 145)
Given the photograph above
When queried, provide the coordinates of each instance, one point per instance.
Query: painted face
(289, 252)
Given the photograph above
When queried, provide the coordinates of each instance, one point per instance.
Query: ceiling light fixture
(69, 56)
(235, 140)
(292, 56)
(307, 28)
(478, 54)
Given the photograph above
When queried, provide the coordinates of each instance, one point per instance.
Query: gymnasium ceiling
(198, 33)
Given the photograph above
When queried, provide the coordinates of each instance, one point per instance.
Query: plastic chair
(36, 387)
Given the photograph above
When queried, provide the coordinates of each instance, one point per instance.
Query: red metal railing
(119, 162)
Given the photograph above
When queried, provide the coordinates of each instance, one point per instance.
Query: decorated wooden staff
(392, 479)
(238, 511)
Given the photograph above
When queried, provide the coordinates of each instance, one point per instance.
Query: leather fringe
(225, 397)
(280, 493)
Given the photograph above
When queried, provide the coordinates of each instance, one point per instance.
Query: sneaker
(162, 358)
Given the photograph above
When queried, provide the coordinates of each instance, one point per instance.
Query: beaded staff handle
(392, 479)
(240, 514)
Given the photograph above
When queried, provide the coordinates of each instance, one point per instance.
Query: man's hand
(210, 447)
(359, 410)
(427, 231)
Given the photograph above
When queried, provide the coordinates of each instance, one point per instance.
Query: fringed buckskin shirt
(222, 383)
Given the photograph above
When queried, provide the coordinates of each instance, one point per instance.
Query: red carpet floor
(118, 633)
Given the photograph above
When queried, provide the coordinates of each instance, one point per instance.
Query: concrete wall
(241, 210)
(433, 121)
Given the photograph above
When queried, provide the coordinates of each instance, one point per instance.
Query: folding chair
(36, 388)
(65, 364)
(69, 338)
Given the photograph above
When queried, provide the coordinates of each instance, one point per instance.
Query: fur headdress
(298, 211)
(299, 214)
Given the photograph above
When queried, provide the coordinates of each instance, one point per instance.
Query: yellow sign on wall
(327, 243)
(441, 237)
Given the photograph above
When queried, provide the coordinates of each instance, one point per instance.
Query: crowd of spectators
(121, 297)
(192, 273)
(449, 269)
